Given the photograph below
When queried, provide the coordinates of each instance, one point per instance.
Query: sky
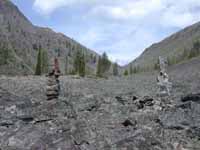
(121, 28)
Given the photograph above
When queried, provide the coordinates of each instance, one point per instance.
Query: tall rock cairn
(163, 79)
(52, 88)
(53, 83)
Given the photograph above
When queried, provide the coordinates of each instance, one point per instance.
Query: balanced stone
(52, 88)
(163, 79)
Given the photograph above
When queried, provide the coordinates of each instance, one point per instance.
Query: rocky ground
(100, 114)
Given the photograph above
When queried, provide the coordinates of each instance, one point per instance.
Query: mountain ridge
(173, 45)
(23, 38)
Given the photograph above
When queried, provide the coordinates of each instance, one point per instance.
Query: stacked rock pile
(52, 89)
(163, 79)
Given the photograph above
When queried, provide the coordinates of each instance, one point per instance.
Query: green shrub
(126, 73)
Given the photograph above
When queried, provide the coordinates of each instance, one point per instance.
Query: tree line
(78, 61)
(187, 54)
(103, 65)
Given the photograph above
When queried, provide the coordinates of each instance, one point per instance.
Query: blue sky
(122, 28)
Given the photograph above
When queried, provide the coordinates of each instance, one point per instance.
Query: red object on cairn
(56, 65)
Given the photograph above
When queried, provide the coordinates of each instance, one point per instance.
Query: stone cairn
(52, 88)
(163, 79)
(53, 83)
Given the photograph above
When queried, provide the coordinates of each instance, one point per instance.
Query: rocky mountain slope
(20, 40)
(97, 114)
(171, 47)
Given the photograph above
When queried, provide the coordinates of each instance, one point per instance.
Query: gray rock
(88, 116)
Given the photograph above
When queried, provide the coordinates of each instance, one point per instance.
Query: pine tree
(79, 63)
(38, 70)
(195, 51)
(103, 65)
(4, 56)
(98, 73)
(105, 62)
(66, 65)
(115, 69)
(126, 73)
(44, 61)
(82, 65)
(94, 59)
(135, 70)
(131, 69)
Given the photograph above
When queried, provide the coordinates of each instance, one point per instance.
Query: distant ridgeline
(179, 47)
(178, 56)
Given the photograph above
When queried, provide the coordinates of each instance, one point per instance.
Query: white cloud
(129, 9)
(173, 13)
(47, 7)
(180, 13)
(124, 28)
(168, 13)
(178, 20)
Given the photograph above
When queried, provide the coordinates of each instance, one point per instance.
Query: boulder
(191, 97)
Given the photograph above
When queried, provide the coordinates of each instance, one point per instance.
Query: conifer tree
(44, 61)
(126, 73)
(195, 51)
(82, 65)
(94, 59)
(4, 56)
(79, 63)
(66, 65)
(103, 65)
(131, 70)
(115, 69)
(98, 73)
(38, 70)
(135, 70)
